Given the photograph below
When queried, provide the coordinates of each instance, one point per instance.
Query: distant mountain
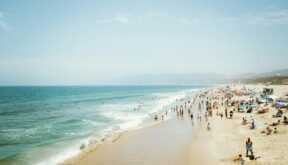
(279, 77)
(242, 75)
(282, 72)
(191, 78)
(195, 78)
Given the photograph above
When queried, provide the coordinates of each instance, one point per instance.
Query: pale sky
(52, 42)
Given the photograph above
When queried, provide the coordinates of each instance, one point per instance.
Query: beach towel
(278, 106)
(283, 101)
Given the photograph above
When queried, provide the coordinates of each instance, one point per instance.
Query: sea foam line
(74, 153)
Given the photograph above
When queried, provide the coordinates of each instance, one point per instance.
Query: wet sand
(164, 143)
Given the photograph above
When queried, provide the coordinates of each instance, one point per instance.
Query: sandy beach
(183, 141)
(227, 138)
(151, 82)
(167, 142)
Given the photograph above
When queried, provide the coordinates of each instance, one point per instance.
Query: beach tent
(273, 97)
(263, 101)
(278, 106)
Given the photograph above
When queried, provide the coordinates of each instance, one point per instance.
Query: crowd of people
(208, 102)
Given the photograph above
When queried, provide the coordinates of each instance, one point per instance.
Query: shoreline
(107, 140)
(119, 116)
(177, 128)
(149, 124)
(142, 146)
(196, 145)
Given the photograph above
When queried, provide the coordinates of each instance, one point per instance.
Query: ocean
(47, 125)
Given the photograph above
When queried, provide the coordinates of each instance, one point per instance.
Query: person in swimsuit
(208, 127)
(249, 147)
(275, 130)
(191, 116)
(253, 126)
(206, 116)
(155, 117)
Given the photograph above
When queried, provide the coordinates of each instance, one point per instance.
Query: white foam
(62, 156)
(129, 119)
(90, 122)
(117, 115)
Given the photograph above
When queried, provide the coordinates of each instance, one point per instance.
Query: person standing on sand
(253, 126)
(155, 117)
(226, 112)
(208, 127)
(249, 147)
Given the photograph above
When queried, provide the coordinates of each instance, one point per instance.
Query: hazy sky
(90, 41)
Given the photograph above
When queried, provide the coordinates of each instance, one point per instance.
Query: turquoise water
(46, 125)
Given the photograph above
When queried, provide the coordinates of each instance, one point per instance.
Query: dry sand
(227, 139)
(178, 142)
